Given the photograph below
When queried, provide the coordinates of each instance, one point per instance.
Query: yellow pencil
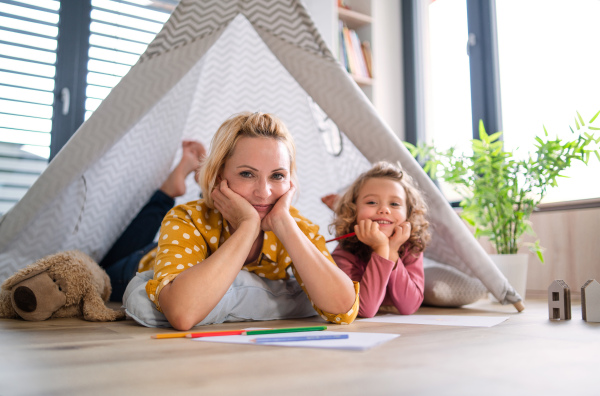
(170, 335)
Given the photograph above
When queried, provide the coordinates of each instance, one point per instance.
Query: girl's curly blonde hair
(346, 213)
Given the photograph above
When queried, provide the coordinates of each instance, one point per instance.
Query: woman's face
(259, 171)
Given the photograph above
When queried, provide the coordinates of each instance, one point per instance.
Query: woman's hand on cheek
(279, 210)
(234, 208)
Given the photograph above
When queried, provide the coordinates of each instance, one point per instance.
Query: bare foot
(193, 153)
(330, 200)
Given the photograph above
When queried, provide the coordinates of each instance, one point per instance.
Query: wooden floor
(526, 355)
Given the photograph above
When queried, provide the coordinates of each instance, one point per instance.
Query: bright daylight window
(449, 104)
(28, 42)
(548, 71)
(120, 33)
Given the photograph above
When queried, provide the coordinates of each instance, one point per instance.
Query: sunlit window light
(92, 104)
(108, 68)
(26, 95)
(103, 80)
(49, 4)
(26, 53)
(27, 123)
(117, 44)
(43, 84)
(28, 39)
(31, 27)
(29, 13)
(113, 56)
(42, 152)
(25, 109)
(126, 21)
(131, 10)
(93, 91)
(119, 31)
(24, 137)
(28, 67)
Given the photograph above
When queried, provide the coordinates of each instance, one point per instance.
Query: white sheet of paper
(355, 341)
(440, 320)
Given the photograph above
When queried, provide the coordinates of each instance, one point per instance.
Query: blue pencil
(300, 338)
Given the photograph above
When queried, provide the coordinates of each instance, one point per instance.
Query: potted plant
(500, 191)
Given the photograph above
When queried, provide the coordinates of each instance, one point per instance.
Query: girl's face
(259, 171)
(382, 201)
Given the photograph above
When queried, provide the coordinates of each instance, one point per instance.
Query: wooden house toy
(590, 301)
(559, 300)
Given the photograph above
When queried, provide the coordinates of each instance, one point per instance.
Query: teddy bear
(62, 285)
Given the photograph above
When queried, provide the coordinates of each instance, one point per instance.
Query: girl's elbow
(367, 312)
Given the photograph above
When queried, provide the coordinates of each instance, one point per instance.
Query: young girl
(387, 213)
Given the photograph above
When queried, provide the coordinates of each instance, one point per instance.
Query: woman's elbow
(182, 321)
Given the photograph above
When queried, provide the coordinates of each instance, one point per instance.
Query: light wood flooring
(526, 355)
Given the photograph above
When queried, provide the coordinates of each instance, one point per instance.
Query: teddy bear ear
(25, 273)
(7, 311)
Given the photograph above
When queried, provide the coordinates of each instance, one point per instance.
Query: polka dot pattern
(195, 231)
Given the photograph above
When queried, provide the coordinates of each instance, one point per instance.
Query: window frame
(482, 46)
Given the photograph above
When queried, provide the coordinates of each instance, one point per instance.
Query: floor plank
(528, 354)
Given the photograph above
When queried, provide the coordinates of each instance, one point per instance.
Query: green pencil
(286, 330)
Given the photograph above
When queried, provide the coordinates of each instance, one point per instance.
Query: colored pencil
(300, 338)
(286, 330)
(216, 333)
(342, 237)
(169, 335)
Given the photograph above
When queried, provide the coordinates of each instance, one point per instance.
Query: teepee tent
(214, 58)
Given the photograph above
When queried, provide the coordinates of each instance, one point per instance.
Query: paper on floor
(440, 320)
(355, 341)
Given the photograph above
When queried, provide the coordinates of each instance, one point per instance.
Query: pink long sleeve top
(384, 282)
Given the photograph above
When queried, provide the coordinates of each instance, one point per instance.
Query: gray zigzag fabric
(192, 20)
(213, 59)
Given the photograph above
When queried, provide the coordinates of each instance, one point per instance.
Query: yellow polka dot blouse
(190, 233)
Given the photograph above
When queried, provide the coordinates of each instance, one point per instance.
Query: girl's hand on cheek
(279, 210)
(400, 236)
(368, 233)
(234, 208)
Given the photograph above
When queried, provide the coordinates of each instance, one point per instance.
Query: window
(120, 31)
(546, 75)
(28, 43)
(533, 68)
(34, 68)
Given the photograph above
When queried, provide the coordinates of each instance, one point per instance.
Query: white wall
(388, 89)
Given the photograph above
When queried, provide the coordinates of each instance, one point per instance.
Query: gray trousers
(250, 297)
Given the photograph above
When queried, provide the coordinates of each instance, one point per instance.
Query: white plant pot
(514, 268)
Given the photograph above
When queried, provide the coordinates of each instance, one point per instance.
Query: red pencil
(341, 237)
(216, 333)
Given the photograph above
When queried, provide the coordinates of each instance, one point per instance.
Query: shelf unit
(358, 18)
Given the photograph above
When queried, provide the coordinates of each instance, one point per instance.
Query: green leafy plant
(499, 191)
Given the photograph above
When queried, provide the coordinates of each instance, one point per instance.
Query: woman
(244, 222)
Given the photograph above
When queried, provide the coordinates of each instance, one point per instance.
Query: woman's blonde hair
(245, 124)
(346, 211)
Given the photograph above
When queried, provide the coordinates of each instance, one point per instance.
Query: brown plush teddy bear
(62, 285)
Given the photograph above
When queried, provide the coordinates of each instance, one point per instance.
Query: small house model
(559, 300)
(590, 301)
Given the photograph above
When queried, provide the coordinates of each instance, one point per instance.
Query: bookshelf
(354, 41)
(378, 22)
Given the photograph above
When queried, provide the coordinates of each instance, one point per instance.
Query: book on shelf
(366, 48)
(352, 53)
